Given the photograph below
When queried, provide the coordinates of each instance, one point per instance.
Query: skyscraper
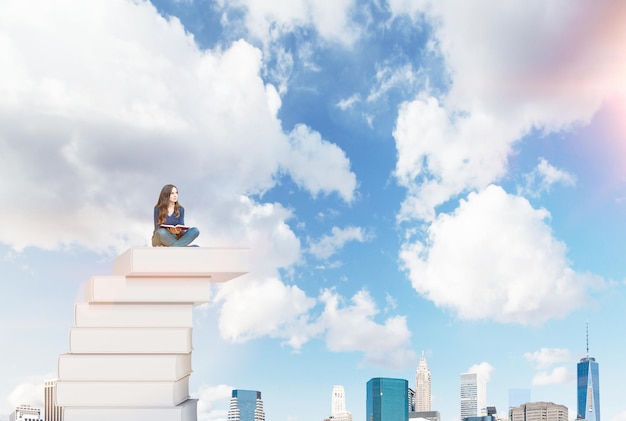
(338, 410)
(422, 386)
(246, 405)
(387, 399)
(51, 412)
(473, 395)
(588, 387)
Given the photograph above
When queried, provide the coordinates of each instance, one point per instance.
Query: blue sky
(445, 177)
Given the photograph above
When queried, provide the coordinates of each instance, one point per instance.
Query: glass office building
(588, 389)
(387, 399)
(246, 405)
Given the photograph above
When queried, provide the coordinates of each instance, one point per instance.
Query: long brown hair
(164, 201)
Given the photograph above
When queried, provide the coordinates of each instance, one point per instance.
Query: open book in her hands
(182, 227)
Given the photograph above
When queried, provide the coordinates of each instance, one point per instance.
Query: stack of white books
(130, 348)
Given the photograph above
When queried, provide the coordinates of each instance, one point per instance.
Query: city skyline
(436, 175)
(247, 405)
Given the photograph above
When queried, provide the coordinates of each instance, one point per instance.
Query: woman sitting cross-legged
(169, 221)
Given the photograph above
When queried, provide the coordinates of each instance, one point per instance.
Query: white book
(130, 340)
(186, 411)
(124, 394)
(220, 264)
(133, 315)
(121, 367)
(120, 289)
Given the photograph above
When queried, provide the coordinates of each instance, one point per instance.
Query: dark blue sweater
(170, 220)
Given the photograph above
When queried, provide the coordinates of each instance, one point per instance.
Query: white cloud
(352, 328)
(543, 177)
(552, 175)
(484, 370)
(318, 165)
(29, 392)
(558, 375)
(495, 258)
(253, 307)
(389, 77)
(104, 102)
(349, 102)
(392, 303)
(573, 43)
(546, 357)
(441, 155)
(211, 402)
(268, 20)
(516, 81)
(328, 245)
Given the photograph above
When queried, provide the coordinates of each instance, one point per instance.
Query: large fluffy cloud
(440, 156)
(351, 327)
(254, 308)
(495, 257)
(308, 149)
(513, 68)
(550, 62)
(103, 102)
(270, 308)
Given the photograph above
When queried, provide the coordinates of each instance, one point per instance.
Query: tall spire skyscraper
(422, 386)
(588, 387)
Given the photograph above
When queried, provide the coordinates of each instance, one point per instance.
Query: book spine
(182, 262)
(186, 411)
(122, 394)
(128, 367)
(127, 340)
(163, 290)
(133, 315)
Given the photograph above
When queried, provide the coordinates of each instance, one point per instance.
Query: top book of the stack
(218, 264)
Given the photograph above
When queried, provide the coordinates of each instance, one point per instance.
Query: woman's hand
(174, 230)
